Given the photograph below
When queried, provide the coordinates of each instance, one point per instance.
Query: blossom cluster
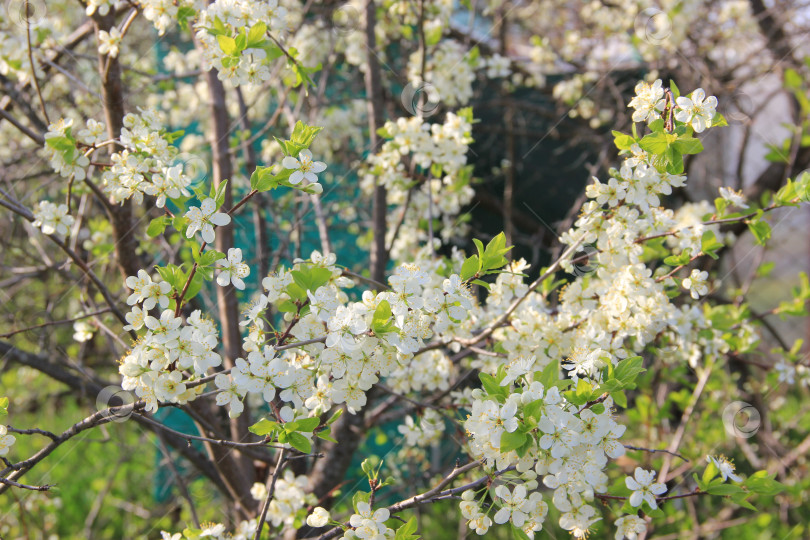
(570, 451)
(612, 309)
(223, 25)
(53, 218)
(443, 186)
(146, 165)
(290, 498)
(6, 440)
(696, 110)
(62, 151)
(170, 353)
(356, 351)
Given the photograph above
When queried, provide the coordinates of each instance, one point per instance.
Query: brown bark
(236, 468)
(112, 93)
(374, 96)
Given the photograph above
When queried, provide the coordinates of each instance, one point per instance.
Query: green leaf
(622, 140)
(719, 120)
(792, 79)
(709, 244)
(740, 499)
(619, 398)
(263, 427)
(241, 41)
(655, 125)
(301, 278)
(674, 161)
(761, 231)
(319, 276)
(333, 419)
(360, 496)
(480, 246)
(518, 534)
(657, 143)
(220, 194)
(490, 384)
(266, 181)
(493, 256)
(534, 409)
(550, 375)
(304, 135)
(210, 257)
(581, 394)
(709, 472)
(183, 15)
(157, 226)
(512, 441)
(307, 424)
(61, 144)
(688, 145)
(173, 275)
(227, 44)
(764, 484)
(380, 321)
(676, 92)
(470, 267)
(406, 532)
(3, 406)
(299, 442)
(433, 35)
(628, 369)
(679, 260)
(195, 286)
(765, 269)
(326, 435)
(256, 35)
(724, 489)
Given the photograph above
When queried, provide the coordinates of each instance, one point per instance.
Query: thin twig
(655, 450)
(271, 488)
(54, 323)
(12, 483)
(31, 60)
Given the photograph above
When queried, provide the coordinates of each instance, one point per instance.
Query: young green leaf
(227, 44)
(512, 441)
(299, 442)
(263, 427)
